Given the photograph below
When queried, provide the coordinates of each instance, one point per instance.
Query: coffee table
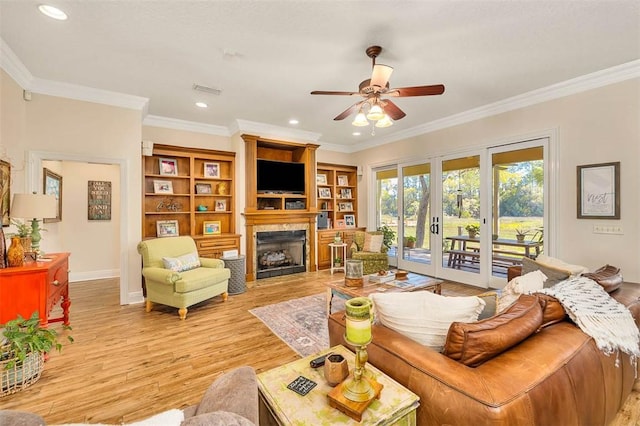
(282, 406)
(413, 282)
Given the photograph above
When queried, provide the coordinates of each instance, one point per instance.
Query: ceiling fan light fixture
(384, 122)
(380, 75)
(375, 113)
(360, 120)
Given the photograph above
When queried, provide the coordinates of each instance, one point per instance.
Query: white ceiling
(266, 56)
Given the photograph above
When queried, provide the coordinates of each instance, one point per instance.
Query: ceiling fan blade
(344, 114)
(325, 92)
(436, 89)
(380, 75)
(393, 111)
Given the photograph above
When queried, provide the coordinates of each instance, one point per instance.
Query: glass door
(414, 233)
(460, 220)
(386, 206)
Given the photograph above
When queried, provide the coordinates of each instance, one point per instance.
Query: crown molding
(189, 126)
(89, 94)
(273, 132)
(576, 85)
(14, 66)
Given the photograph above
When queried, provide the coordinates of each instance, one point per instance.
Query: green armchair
(368, 247)
(175, 275)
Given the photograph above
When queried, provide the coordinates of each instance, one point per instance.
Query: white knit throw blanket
(598, 315)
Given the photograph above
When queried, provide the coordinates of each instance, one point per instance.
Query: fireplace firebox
(280, 253)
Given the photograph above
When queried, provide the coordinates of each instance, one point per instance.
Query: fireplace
(280, 253)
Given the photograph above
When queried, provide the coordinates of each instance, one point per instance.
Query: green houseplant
(22, 350)
(410, 241)
(388, 235)
(520, 234)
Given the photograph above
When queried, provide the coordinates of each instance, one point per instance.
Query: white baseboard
(93, 275)
(136, 297)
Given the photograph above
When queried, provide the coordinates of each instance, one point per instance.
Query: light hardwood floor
(126, 365)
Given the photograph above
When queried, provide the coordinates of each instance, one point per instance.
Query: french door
(435, 205)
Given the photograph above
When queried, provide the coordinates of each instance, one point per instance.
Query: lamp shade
(32, 206)
(360, 120)
(375, 113)
(384, 122)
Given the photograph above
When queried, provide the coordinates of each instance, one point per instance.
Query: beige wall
(86, 131)
(600, 125)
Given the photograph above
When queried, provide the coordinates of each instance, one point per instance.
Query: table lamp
(358, 388)
(34, 206)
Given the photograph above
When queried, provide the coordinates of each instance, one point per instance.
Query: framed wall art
(162, 187)
(212, 170)
(211, 227)
(99, 200)
(52, 185)
(167, 228)
(168, 166)
(599, 191)
(5, 191)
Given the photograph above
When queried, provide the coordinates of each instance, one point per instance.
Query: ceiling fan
(374, 107)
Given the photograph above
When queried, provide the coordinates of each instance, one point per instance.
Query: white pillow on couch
(424, 316)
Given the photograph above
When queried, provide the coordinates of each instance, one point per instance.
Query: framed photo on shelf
(168, 166)
(211, 227)
(5, 191)
(340, 223)
(52, 185)
(321, 179)
(599, 191)
(324, 192)
(345, 207)
(345, 193)
(162, 187)
(212, 170)
(203, 188)
(167, 228)
(350, 220)
(343, 180)
(221, 206)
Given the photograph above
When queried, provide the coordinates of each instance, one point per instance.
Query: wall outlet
(607, 229)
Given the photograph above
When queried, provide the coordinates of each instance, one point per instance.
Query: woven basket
(21, 375)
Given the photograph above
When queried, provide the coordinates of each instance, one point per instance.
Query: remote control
(318, 362)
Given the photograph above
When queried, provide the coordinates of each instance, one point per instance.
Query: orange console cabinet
(36, 286)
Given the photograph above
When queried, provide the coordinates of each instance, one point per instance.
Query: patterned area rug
(300, 323)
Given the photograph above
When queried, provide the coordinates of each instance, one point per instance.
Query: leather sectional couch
(556, 376)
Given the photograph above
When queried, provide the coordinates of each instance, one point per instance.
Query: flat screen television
(280, 177)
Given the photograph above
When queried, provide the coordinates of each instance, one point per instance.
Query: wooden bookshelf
(192, 190)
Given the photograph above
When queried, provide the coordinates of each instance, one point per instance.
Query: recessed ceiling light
(201, 105)
(356, 133)
(293, 121)
(52, 12)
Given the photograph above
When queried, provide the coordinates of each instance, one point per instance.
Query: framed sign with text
(599, 191)
(99, 200)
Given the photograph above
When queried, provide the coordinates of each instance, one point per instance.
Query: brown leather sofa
(556, 376)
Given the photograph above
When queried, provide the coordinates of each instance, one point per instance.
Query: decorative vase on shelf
(222, 188)
(15, 253)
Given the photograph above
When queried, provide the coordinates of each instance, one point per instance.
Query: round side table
(237, 282)
(335, 252)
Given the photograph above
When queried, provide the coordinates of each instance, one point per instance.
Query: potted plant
(337, 262)
(520, 234)
(410, 241)
(24, 233)
(388, 235)
(473, 230)
(22, 350)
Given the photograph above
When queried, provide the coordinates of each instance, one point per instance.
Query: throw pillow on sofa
(552, 262)
(523, 284)
(553, 274)
(372, 243)
(424, 316)
(476, 343)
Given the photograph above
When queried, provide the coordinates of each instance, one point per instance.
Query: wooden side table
(36, 286)
(335, 251)
(282, 406)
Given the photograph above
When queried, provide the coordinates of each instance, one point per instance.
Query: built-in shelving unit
(190, 191)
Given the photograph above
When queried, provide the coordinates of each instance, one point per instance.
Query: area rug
(300, 323)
